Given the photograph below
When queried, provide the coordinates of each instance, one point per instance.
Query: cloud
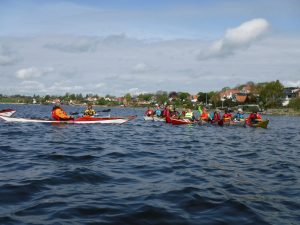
(30, 85)
(7, 56)
(289, 83)
(140, 68)
(63, 87)
(32, 72)
(235, 39)
(75, 45)
(100, 85)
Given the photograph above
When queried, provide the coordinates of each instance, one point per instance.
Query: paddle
(104, 110)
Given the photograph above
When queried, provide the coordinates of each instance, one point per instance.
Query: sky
(138, 46)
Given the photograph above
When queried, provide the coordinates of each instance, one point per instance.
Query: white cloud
(63, 87)
(140, 68)
(236, 39)
(30, 85)
(166, 65)
(100, 85)
(75, 45)
(135, 91)
(32, 72)
(7, 56)
(289, 83)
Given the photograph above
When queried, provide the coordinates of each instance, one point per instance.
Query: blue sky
(144, 46)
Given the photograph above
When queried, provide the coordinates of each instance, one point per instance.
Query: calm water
(145, 172)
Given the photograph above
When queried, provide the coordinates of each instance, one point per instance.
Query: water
(145, 172)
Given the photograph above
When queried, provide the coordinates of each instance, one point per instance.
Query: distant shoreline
(273, 112)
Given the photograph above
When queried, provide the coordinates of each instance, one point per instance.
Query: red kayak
(7, 112)
(181, 121)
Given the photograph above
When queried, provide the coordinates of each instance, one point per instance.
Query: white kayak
(155, 118)
(80, 120)
(7, 112)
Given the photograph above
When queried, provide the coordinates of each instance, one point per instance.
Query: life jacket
(167, 115)
(59, 114)
(149, 112)
(216, 117)
(227, 117)
(254, 118)
(239, 116)
(89, 112)
(189, 115)
(158, 112)
(204, 116)
(54, 115)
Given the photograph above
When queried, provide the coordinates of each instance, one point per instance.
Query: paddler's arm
(61, 114)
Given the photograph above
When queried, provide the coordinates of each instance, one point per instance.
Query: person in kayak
(254, 117)
(174, 113)
(59, 114)
(239, 116)
(158, 112)
(167, 114)
(227, 116)
(189, 115)
(89, 111)
(216, 116)
(204, 115)
(149, 112)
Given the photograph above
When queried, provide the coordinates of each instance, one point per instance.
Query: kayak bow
(80, 120)
(7, 112)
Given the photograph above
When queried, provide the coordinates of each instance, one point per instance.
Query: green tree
(272, 94)
(128, 97)
(294, 103)
(145, 97)
(215, 99)
(183, 96)
(162, 97)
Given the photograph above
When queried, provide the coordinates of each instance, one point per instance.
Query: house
(290, 92)
(229, 94)
(193, 98)
(240, 97)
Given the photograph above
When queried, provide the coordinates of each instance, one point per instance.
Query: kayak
(7, 112)
(261, 124)
(148, 118)
(234, 123)
(154, 118)
(80, 120)
(160, 119)
(181, 121)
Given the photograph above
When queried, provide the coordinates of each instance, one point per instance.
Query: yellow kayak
(261, 124)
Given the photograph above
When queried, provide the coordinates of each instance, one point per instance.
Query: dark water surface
(145, 172)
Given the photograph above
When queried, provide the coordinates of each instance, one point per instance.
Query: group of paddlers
(169, 112)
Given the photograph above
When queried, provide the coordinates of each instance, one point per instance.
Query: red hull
(181, 121)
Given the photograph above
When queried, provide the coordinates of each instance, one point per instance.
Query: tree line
(267, 95)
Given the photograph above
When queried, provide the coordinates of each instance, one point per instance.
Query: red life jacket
(216, 117)
(54, 116)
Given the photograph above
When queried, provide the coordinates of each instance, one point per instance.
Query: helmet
(240, 110)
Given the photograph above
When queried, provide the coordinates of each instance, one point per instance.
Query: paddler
(189, 115)
(158, 111)
(59, 114)
(89, 111)
(227, 116)
(204, 115)
(149, 112)
(239, 116)
(216, 117)
(254, 117)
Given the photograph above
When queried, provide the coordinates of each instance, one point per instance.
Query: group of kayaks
(179, 121)
(7, 113)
